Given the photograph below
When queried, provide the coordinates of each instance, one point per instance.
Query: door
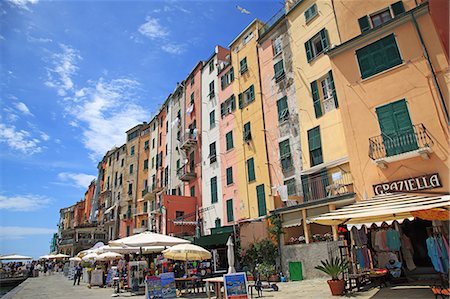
(295, 271)
(397, 130)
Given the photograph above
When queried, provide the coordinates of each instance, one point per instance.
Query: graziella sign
(429, 181)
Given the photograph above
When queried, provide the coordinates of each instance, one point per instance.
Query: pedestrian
(50, 268)
(45, 268)
(78, 271)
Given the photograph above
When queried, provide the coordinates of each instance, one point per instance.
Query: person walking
(78, 271)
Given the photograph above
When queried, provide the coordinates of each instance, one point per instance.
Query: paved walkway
(57, 286)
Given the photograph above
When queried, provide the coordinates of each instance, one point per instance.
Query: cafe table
(183, 283)
(218, 283)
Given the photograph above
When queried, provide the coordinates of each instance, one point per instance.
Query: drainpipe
(430, 65)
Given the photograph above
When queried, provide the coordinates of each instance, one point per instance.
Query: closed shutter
(261, 196)
(364, 24)
(316, 99)
(214, 189)
(315, 146)
(306, 188)
(233, 102)
(333, 89)
(241, 104)
(398, 8)
(229, 175)
(308, 48)
(222, 82)
(278, 69)
(229, 140)
(282, 107)
(251, 93)
(392, 53)
(231, 74)
(230, 216)
(222, 110)
(285, 154)
(324, 39)
(251, 169)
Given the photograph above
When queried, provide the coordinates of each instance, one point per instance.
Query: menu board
(169, 288)
(153, 288)
(136, 277)
(97, 277)
(235, 286)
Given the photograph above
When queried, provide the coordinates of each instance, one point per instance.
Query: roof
(243, 31)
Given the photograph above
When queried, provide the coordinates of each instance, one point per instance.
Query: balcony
(325, 185)
(188, 140)
(186, 173)
(388, 148)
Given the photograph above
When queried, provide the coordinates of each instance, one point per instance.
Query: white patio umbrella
(187, 252)
(15, 257)
(75, 259)
(90, 256)
(148, 239)
(230, 256)
(109, 256)
(44, 257)
(60, 256)
(127, 249)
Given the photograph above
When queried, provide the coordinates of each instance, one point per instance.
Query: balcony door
(396, 128)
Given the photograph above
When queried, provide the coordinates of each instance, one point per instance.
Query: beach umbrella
(15, 257)
(75, 259)
(90, 256)
(230, 256)
(109, 256)
(60, 256)
(127, 249)
(148, 239)
(44, 257)
(187, 252)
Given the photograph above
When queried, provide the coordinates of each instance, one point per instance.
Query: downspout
(430, 65)
(335, 19)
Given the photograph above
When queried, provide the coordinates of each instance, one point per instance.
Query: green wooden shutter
(308, 48)
(232, 74)
(324, 39)
(314, 141)
(222, 82)
(251, 93)
(222, 110)
(230, 216)
(241, 104)
(285, 154)
(333, 89)
(364, 24)
(316, 99)
(278, 69)
(251, 169)
(261, 196)
(306, 188)
(282, 107)
(233, 102)
(229, 175)
(229, 140)
(214, 189)
(324, 181)
(391, 51)
(397, 8)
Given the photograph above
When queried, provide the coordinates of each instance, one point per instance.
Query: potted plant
(334, 268)
(266, 270)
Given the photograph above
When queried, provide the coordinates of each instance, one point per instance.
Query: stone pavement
(57, 286)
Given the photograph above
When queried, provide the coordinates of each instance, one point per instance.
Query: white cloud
(153, 29)
(23, 203)
(64, 67)
(45, 136)
(173, 48)
(17, 232)
(81, 180)
(33, 39)
(20, 140)
(23, 108)
(22, 4)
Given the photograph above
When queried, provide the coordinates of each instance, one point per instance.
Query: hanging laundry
(283, 192)
(190, 109)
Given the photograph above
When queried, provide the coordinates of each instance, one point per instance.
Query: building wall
(152, 172)
(142, 178)
(161, 146)
(119, 191)
(252, 113)
(88, 198)
(411, 81)
(184, 204)
(439, 10)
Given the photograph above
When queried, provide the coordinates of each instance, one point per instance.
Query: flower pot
(336, 287)
(250, 278)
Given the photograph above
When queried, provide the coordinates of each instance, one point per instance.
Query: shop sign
(429, 181)
(153, 288)
(235, 286)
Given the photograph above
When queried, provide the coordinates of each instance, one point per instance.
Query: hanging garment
(433, 254)
(355, 236)
(384, 257)
(443, 253)
(362, 235)
(360, 257)
(408, 252)
(380, 240)
(393, 240)
(444, 240)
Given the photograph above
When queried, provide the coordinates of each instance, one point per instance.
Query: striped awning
(383, 207)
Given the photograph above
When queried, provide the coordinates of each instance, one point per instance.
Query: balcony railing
(326, 185)
(186, 173)
(189, 140)
(273, 20)
(389, 145)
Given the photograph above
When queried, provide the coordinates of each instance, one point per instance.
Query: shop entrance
(416, 231)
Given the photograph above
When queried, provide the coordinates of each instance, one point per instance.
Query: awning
(292, 219)
(383, 207)
(213, 240)
(110, 209)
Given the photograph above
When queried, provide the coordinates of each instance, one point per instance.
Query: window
(283, 111)
(310, 13)
(214, 197)
(243, 65)
(192, 161)
(145, 207)
(167, 126)
(120, 180)
(228, 106)
(145, 184)
(380, 18)
(192, 80)
(142, 223)
(109, 162)
(133, 135)
(211, 90)
(212, 153)
(229, 175)
(153, 143)
(229, 140)
(315, 146)
(128, 230)
(178, 164)
(130, 188)
(247, 132)
(117, 156)
(227, 79)
(167, 152)
(153, 162)
(251, 170)
(122, 162)
(212, 119)
(179, 135)
(192, 98)
(160, 139)
(378, 56)
(131, 168)
(146, 145)
(145, 164)
(279, 70)
(131, 152)
(277, 46)
(261, 197)
(324, 100)
(316, 45)
(192, 191)
(217, 222)
(246, 97)
(230, 216)
(211, 66)
(291, 188)
(179, 214)
(247, 38)
(285, 155)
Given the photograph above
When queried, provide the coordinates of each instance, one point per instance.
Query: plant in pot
(334, 268)
(266, 270)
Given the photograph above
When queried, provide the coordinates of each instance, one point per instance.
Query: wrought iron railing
(326, 185)
(387, 145)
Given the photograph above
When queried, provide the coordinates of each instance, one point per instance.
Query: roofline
(194, 68)
(243, 31)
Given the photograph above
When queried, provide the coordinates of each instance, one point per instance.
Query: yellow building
(249, 132)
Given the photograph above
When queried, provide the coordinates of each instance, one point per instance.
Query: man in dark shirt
(78, 271)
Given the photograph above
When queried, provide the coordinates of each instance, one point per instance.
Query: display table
(218, 283)
(183, 283)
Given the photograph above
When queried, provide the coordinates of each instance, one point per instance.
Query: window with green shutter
(212, 119)
(192, 98)
(247, 97)
(192, 191)
(211, 89)
(229, 140)
(230, 216)
(317, 45)
(310, 13)
(333, 88)
(178, 165)
(364, 24)
(247, 132)
(229, 175)
(243, 65)
(261, 197)
(378, 56)
(283, 110)
(316, 99)
(397, 8)
(285, 155)
(214, 197)
(145, 164)
(217, 222)
(291, 188)
(212, 153)
(131, 168)
(279, 70)
(315, 146)
(251, 170)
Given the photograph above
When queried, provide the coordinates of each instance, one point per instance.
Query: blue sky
(75, 75)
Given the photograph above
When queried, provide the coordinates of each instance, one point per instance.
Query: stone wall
(309, 255)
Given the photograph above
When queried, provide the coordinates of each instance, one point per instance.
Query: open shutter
(306, 188)
(231, 74)
(233, 103)
(222, 110)
(251, 170)
(333, 89)
(324, 38)
(230, 216)
(392, 54)
(308, 48)
(397, 8)
(316, 99)
(222, 81)
(241, 104)
(251, 93)
(364, 24)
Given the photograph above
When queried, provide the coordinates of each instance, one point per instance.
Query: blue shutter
(316, 99)
(308, 48)
(364, 24)
(333, 89)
